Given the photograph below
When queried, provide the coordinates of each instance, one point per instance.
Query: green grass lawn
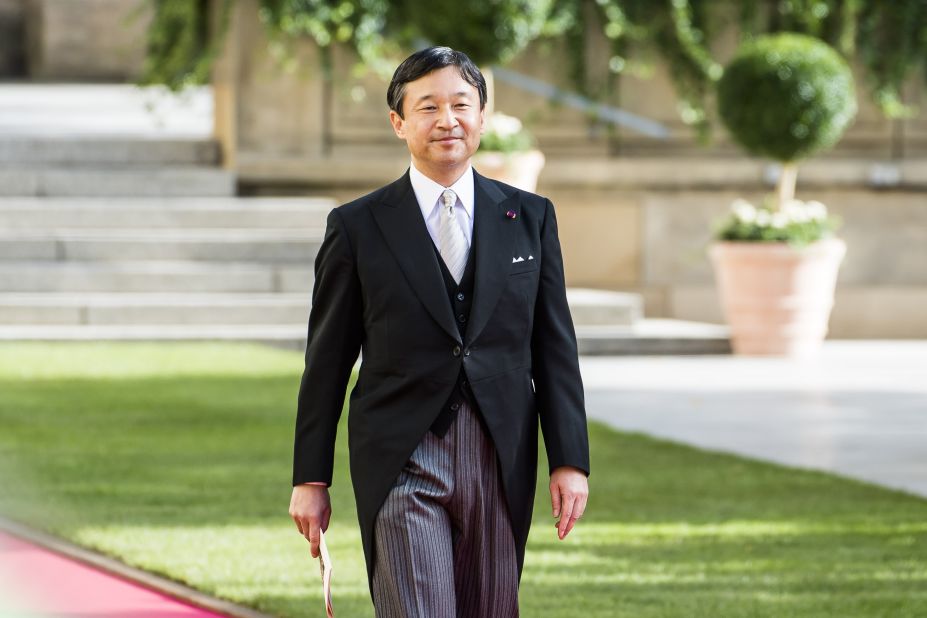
(176, 458)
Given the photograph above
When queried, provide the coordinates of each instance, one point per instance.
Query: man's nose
(446, 117)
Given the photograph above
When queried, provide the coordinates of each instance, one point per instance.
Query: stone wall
(651, 236)
(352, 110)
(86, 40)
(635, 212)
(643, 225)
(654, 242)
(296, 114)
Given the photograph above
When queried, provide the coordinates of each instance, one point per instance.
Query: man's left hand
(569, 490)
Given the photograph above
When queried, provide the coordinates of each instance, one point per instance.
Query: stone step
(56, 110)
(30, 213)
(659, 337)
(98, 181)
(591, 307)
(120, 152)
(654, 336)
(289, 336)
(154, 276)
(140, 309)
(236, 245)
(214, 308)
(667, 171)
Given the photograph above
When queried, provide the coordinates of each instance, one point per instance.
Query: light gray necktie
(452, 242)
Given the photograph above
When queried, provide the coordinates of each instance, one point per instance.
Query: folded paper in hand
(325, 563)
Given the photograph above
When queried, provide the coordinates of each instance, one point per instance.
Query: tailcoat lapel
(400, 220)
(493, 235)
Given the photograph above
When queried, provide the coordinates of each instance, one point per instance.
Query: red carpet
(37, 582)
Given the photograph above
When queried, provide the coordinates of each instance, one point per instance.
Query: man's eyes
(431, 108)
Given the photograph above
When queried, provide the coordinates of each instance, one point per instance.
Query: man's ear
(482, 120)
(398, 124)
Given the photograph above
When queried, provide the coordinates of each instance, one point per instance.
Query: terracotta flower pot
(777, 299)
(519, 169)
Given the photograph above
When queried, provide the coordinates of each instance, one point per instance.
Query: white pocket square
(518, 259)
(530, 257)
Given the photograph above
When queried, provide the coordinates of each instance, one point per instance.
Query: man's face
(443, 121)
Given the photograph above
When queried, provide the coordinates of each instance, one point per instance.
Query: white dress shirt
(428, 193)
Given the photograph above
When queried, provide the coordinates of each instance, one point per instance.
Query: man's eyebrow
(462, 93)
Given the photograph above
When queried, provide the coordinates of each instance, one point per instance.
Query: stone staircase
(118, 222)
(121, 225)
(95, 140)
(222, 268)
(164, 268)
(226, 268)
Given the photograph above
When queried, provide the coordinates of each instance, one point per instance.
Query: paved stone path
(860, 409)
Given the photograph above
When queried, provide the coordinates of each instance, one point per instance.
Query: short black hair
(425, 61)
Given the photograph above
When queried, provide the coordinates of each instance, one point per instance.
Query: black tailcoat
(379, 288)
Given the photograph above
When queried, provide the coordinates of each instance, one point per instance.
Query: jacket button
(455, 406)
(456, 350)
(461, 318)
(460, 296)
(467, 352)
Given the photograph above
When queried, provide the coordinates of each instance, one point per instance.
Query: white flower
(793, 207)
(802, 212)
(816, 210)
(503, 125)
(791, 220)
(800, 216)
(744, 211)
(794, 211)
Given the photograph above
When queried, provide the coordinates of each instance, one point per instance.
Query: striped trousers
(444, 544)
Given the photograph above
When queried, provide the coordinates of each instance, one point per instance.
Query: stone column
(12, 41)
(265, 110)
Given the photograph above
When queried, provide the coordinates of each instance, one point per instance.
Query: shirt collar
(428, 192)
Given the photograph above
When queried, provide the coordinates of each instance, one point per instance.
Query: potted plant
(785, 97)
(507, 152)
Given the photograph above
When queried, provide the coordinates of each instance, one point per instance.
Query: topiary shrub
(786, 97)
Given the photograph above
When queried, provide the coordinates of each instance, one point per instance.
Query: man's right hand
(311, 509)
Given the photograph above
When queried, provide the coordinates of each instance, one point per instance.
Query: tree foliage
(182, 44)
(888, 39)
(489, 32)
